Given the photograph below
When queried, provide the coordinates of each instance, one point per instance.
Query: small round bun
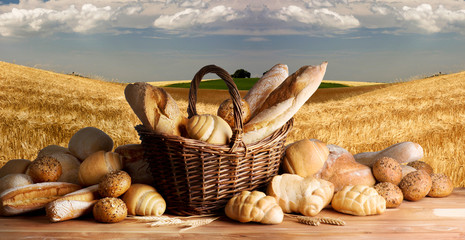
(226, 111)
(14, 180)
(441, 186)
(89, 140)
(45, 169)
(387, 169)
(420, 165)
(416, 185)
(110, 210)
(391, 193)
(114, 184)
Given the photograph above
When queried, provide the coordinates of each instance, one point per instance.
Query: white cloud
(429, 20)
(192, 17)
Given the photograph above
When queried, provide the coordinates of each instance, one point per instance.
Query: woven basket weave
(197, 177)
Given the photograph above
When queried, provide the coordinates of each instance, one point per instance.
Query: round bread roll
(391, 193)
(114, 184)
(52, 149)
(89, 140)
(226, 111)
(14, 180)
(387, 169)
(110, 210)
(441, 186)
(420, 165)
(44, 169)
(415, 185)
(97, 165)
(14, 166)
(305, 157)
(69, 163)
(209, 128)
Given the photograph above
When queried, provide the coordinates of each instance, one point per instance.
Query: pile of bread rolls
(87, 177)
(267, 106)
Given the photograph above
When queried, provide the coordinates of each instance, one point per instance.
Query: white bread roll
(14, 180)
(144, 200)
(32, 197)
(254, 207)
(284, 102)
(209, 128)
(97, 165)
(155, 108)
(89, 140)
(264, 86)
(14, 166)
(305, 157)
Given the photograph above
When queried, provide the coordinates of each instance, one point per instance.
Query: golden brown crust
(391, 193)
(87, 194)
(34, 196)
(415, 185)
(110, 210)
(45, 169)
(442, 185)
(387, 169)
(144, 200)
(226, 111)
(114, 184)
(420, 165)
(305, 157)
(97, 165)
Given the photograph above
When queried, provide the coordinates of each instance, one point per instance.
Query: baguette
(257, 95)
(32, 197)
(72, 205)
(155, 108)
(284, 102)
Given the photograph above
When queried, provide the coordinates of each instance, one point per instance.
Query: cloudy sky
(158, 40)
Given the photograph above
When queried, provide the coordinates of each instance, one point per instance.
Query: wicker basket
(196, 177)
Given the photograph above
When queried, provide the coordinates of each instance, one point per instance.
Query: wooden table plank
(429, 218)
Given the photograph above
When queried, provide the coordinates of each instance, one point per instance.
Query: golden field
(40, 108)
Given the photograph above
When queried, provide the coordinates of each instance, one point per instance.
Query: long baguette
(284, 102)
(257, 95)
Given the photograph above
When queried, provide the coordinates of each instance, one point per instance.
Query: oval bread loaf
(14, 180)
(209, 128)
(89, 140)
(144, 200)
(226, 111)
(97, 165)
(305, 157)
(14, 166)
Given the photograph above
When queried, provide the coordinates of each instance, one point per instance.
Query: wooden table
(429, 218)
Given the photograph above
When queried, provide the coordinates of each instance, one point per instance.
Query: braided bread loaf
(294, 193)
(254, 207)
(360, 200)
(144, 200)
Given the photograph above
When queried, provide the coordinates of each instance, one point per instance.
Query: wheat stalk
(162, 221)
(308, 221)
(315, 221)
(197, 223)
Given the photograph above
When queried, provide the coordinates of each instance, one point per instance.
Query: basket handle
(236, 138)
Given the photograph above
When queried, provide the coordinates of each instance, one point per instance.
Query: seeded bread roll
(441, 186)
(44, 169)
(387, 169)
(69, 163)
(420, 165)
(144, 200)
(33, 196)
(415, 185)
(114, 184)
(14, 166)
(391, 193)
(89, 140)
(110, 210)
(97, 165)
(14, 180)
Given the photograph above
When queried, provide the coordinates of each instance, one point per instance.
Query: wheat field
(40, 108)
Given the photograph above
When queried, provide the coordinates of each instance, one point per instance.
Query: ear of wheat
(163, 221)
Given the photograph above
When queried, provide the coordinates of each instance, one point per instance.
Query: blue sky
(160, 40)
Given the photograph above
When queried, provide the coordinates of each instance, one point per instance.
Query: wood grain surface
(429, 218)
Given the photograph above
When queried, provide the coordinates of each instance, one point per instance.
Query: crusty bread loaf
(14, 180)
(341, 169)
(89, 140)
(403, 152)
(359, 200)
(98, 165)
(87, 194)
(257, 95)
(14, 166)
(32, 197)
(63, 210)
(226, 112)
(134, 163)
(254, 207)
(155, 108)
(307, 196)
(305, 157)
(209, 128)
(144, 200)
(281, 105)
